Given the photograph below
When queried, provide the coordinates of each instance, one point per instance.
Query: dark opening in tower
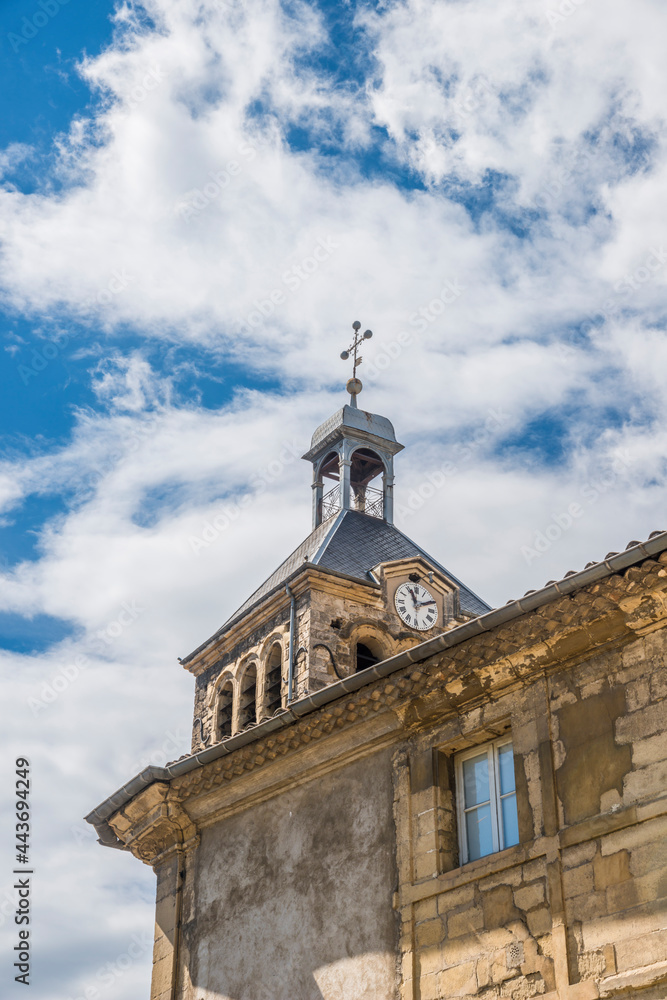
(365, 467)
(365, 656)
(272, 700)
(225, 704)
(247, 707)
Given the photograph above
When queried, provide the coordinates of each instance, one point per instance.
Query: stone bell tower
(355, 592)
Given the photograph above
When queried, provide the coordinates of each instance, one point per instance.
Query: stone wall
(579, 908)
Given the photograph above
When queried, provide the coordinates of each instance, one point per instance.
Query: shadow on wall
(293, 896)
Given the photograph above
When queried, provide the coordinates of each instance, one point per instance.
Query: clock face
(416, 606)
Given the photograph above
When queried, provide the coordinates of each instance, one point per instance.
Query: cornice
(153, 824)
(617, 609)
(613, 602)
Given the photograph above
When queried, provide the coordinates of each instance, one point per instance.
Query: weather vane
(354, 385)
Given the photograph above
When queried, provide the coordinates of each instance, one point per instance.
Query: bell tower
(351, 450)
(354, 592)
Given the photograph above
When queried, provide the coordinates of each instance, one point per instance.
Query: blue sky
(196, 201)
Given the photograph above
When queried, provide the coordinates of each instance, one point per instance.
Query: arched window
(366, 465)
(247, 705)
(225, 702)
(368, 652)
(272, 695)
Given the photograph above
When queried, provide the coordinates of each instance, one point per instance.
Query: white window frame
(495, 797)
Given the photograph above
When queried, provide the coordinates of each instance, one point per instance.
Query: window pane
(506, 768)
(478, 828)
(476, 780)
(510, 821)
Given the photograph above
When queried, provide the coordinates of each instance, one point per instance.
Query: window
(225, 710)
(368, 650)
(273, 681)
(486, 799)
(365, 656)
(248, 694)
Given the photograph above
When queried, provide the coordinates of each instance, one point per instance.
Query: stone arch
(365, 466)
(329, 466)
(369, 644)
(273, 680)
(247, 695)
(375, 462)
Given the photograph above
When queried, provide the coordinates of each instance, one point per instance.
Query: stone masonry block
(426, 909)
(611, 869)
(637, 694)
(587, 906)
(499, 908)
(459, 981)
(426, 865)
(455, 897)
(577, 881)
(510, 876)
(651, 857)
(468, 921)
(539, 921)
(428, 987)
(161, 979)
(467, 948)
(534, 870)
(646, 782)
(575, 856)
(430, 933)
(646, 889)
(649, 751)
(638, 725)
(529, 896)
(658, 682)
(651, 832)
(647, 950)
(430, 961)
(427, 823)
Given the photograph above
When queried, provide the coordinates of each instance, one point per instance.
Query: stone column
(345, 469)
(169, 871)
(160, 833)
(318, 492)
(388, 498)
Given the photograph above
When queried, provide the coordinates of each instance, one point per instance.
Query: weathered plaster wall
(293, 896)
(581, 902)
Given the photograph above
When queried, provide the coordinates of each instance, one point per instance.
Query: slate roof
(353, 543)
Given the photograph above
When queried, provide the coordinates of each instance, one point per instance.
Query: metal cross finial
(354, 385)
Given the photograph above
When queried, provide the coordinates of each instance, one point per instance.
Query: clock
(416, 606)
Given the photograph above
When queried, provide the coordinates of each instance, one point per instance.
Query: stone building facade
(375, 809)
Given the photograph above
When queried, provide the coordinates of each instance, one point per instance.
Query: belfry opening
(365, 466)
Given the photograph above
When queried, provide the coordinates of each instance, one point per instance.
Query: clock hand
(422, 604)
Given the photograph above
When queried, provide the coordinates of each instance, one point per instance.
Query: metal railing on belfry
(367, 500)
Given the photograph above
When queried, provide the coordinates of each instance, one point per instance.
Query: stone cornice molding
(153, 824)
(612, 602)
(615, 609)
